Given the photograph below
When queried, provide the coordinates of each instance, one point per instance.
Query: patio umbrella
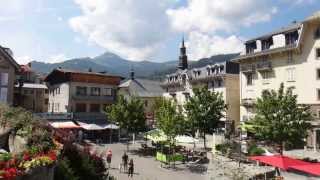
(313, 168)
(156, 135)
(282, 162)
(186, 139)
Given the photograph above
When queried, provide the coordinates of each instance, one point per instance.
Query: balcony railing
(248, 68)
(264, 66)
(248, 102)
(94, 98)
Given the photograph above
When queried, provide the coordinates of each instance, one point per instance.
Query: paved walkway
(147, 168)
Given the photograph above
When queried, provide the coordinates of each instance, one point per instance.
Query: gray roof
(9, 57)
(291, 27)
(143, 87)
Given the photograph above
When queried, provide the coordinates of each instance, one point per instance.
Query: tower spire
(131, 73)
(183, 59)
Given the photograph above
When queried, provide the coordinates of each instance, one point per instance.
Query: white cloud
(57, 58)
(202, 45)
(23, 59)
(213, 15)
(132, 29)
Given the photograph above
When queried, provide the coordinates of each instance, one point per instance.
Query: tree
(170, 120)
(204, 111)
(129, 114)
(279, 119)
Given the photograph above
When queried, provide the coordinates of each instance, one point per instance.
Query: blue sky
(52, 31)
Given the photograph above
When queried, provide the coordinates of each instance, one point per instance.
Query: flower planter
(39, 173)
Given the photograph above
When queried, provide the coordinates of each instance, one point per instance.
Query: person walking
(131, 168)
(109, 157)
(125, 161)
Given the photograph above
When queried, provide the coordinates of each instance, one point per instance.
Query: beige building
(290, 55)
(146, 90)
(8, 70)
(221, 77)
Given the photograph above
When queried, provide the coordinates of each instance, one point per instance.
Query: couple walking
(126, 166)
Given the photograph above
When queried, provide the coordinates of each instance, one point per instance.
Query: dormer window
(317, 33)
(250, 47)
(266, 43)
(221, 68)
(291, 37)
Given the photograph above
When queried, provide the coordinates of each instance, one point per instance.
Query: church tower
(183, 59)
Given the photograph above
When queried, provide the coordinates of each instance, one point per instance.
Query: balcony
(94, 98)
(86, 116)
(248, 102)
(264, 66)
(248, 68)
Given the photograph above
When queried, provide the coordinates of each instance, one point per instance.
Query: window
(94, 107)
(3, 87)
(291, 74)
(318, 53)
(46, 91)
(318, 113)
(266, 75)
(107, 92)
(46, 101)
(318, 74)
(82, 91)
(317, 33)
(249, 79)
(95, 91)
(318, 94)
(219, 82)
(81, 107)
(56, 107)
(58, 89)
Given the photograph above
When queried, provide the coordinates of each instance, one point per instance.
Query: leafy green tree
(204, 111)
(170, 120)
(279, 119)
(128, 113)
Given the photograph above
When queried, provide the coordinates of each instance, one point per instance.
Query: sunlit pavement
(146, 167)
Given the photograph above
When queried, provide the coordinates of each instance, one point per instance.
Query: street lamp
(240, 138)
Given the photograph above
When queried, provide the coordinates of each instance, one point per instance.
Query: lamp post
(240, 138)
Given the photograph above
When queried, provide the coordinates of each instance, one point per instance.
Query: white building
(290, 55)
(221, 77)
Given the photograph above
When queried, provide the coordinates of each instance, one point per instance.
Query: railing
(265, 65)
(248, 68)
(94, 98)
(89, 116)
(248, 102)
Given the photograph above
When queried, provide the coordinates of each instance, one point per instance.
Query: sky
(53, 31)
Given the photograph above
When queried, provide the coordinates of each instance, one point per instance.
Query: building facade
(31, 92)
(220, 77)
(291, 56)
(85, 94)
(8, 70)
(146, 90)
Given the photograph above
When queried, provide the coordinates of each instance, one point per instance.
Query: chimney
(132, 74)
(29, 64)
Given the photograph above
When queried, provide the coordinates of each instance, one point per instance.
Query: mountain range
(114, 64)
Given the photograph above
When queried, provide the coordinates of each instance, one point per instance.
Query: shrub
(224, 148)
(254, 150)
(63, 171)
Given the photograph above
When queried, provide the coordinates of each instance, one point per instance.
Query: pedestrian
(109, 156)
(125, 161)
(131, 168)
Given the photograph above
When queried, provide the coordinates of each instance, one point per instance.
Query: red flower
(26, 156)
(52, 155)
(10, 173)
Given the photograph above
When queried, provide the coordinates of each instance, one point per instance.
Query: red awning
(313, 168)
(282, 162)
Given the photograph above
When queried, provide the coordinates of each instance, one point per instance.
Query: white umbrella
(186, 139)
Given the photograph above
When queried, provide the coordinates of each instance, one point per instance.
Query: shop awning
(91, 126)
(64, 125)
(282, 162)
(312, 168)
(111, 126)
